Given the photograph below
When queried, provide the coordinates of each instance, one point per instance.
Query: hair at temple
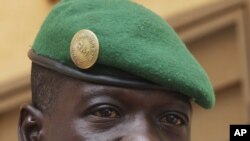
(44, 85)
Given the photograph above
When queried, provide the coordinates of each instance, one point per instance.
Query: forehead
(79, 91)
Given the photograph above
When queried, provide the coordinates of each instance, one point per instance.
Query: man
(111, 70)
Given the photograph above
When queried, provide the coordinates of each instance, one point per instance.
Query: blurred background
(215, 31)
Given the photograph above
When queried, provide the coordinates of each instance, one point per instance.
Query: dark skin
(93, 112)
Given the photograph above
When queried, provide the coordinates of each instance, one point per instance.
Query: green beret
(130, 38)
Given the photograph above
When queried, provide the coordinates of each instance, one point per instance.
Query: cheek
(86, 131)
(60, 129)
(81, 130)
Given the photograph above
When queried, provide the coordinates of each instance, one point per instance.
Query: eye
(106, 112)
(173, 119)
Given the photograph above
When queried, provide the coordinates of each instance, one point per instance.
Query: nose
(142, 129)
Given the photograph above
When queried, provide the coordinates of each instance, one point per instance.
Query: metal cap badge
(84, 49)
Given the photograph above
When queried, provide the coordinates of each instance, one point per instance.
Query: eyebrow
(99, 91)
(184, 99)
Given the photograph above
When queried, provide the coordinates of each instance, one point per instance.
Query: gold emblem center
(84, 49)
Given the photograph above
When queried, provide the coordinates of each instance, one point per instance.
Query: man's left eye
(172, 119)
(106, 112)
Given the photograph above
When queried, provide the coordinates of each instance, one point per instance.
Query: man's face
(92, 112)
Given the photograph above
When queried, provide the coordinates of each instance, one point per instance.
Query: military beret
(109, 41)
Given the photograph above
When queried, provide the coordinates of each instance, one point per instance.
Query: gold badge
(84, 49)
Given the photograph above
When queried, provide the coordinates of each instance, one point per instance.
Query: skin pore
(92, 112)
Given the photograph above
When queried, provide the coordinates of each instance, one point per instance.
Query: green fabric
(132, 38)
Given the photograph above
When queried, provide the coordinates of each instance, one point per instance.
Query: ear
(30, 124)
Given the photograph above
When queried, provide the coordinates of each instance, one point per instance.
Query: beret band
(118, 80)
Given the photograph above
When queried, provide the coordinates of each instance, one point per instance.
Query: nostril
(118, 139)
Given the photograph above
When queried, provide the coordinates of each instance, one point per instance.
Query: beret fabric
(132, 38)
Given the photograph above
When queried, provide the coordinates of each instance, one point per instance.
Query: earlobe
(30, 124)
